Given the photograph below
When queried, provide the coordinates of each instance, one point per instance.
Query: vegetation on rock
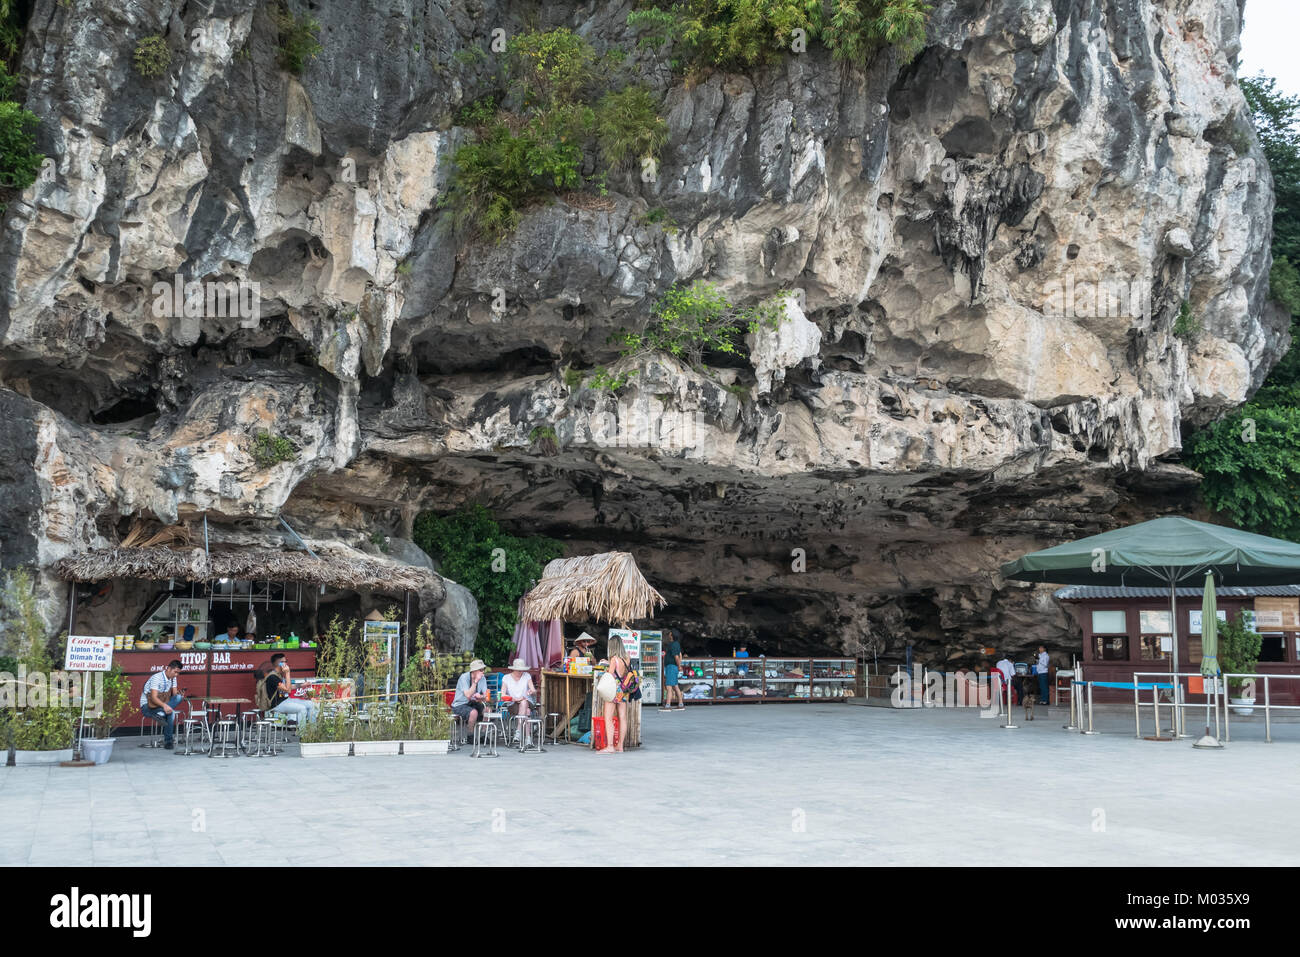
(533, 134)
(299, 39)
(269, 450)
(152, 56)
(739, 34)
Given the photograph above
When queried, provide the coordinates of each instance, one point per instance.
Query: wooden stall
(606, 587)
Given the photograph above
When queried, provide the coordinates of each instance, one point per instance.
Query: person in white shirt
(518, 686)
(1041, 669)
(160, 698)
(1005, 671)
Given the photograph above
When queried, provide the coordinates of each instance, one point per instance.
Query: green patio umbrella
(1209, 654)
(1163, 552)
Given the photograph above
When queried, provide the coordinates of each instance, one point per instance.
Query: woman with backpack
(614, 690)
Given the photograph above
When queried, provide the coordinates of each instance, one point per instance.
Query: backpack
(631, 685)
(263, 697)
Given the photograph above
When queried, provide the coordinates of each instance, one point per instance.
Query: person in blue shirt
(742, 653)
(471, 696)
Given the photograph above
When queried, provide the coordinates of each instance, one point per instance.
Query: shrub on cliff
(299, 39)
(531, 135)
(739, 34)
(20, 162)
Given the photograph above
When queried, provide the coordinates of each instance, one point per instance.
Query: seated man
(278, 687)
(471, 693)
(160, 698)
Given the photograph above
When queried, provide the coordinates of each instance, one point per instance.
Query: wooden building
(1127, 630)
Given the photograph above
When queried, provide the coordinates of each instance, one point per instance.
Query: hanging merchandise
(250, 627)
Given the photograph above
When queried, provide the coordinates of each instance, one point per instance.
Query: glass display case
(785, 679)
(696, 679)
(832, 677)
(738, 679)
(755, 680)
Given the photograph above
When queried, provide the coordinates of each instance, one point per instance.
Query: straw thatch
(157, 564)
(605, 587)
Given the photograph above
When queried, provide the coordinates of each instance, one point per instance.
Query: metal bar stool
(530, 737)
(194, 724)
(457, 732)
(485, 736)
(279, 731)
(262, 740)
(247, 720)
(151, 731)
(553, 723)
(225, 738)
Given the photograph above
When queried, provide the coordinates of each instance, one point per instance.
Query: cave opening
(127, 409)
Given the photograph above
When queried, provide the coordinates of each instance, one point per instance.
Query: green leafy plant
(1238, 651)
(544, 437)
(405, 268)
(380, 541)
(20, 163)
(739, 34)
(659, 216)
(602, 380)
(628, 125)
(152, 56)
(333, 724)
(299, 39)
(495, 566)
(690, 321)
(113, 706)
(48, 728)
(339, 654)
(269, 450)
(572, 377)
(1186, 325)
(532, 134)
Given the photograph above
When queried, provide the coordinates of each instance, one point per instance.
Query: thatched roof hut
(605, 587)
(156, 564)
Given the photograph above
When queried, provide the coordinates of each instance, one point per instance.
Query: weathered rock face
(985, 252)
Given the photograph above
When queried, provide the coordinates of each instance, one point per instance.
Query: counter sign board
(88, 653)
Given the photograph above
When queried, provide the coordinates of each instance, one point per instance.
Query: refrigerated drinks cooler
(652, 667)
(645, 649)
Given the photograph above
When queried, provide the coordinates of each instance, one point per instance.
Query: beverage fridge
(652, 667)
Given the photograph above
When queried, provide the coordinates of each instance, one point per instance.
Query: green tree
(496, 567)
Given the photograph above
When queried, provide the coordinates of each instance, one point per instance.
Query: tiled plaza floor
(780, 784)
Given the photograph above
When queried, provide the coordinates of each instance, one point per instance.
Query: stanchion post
(1268, 720)
(1137, 714)
(1155, 705)
(1009, 724)
(1090, 731)
(1074, 701)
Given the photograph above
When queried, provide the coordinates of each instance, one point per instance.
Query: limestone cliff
(986, 251)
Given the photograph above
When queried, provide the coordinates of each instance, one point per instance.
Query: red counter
(207, 674)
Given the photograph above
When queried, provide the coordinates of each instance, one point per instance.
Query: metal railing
(1268, 706)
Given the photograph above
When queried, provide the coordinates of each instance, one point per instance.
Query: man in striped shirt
(160, 698)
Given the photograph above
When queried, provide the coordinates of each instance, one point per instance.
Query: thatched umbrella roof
(156, 564)
(605, 587)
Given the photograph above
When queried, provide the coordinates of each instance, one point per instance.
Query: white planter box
(42, 757)
(1245, 711)
(326, 749)
(98, 750)
(360, 748)
(425, 747)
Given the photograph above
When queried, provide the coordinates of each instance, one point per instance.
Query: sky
(1268, 42)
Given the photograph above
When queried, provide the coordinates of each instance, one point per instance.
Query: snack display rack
(758, 680)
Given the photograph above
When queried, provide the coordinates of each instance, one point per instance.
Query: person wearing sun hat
(471, 696)
(582, 645)
(518, 686)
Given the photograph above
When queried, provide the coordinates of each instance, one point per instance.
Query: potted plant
(42, 735)
(428, 728)
(1239, 653)
(97, 746)
(380, 733)
(329, 736)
